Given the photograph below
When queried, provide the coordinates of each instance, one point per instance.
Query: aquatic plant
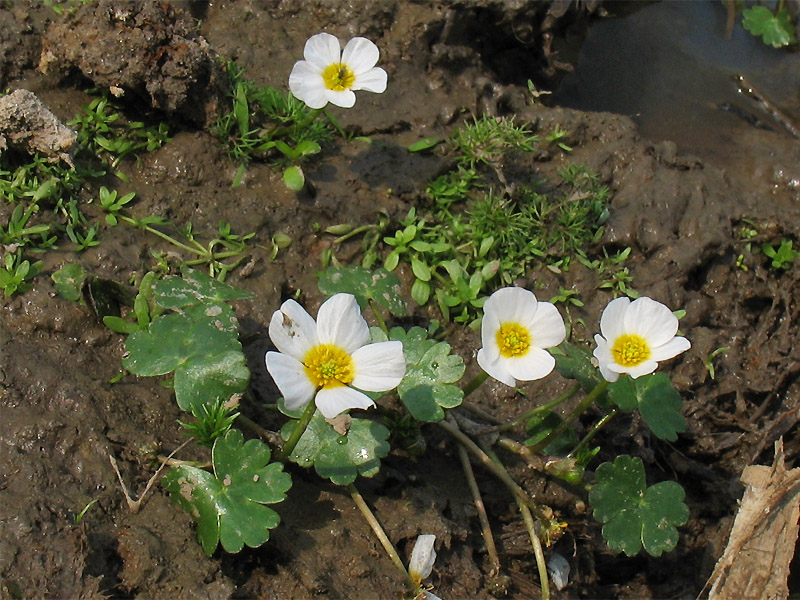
(330, 75)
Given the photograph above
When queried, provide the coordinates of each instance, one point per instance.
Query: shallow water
(671, 69)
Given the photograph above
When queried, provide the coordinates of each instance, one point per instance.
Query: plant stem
(486, 529)
(299, 430)
(379, 532)
(162, 235)
(378, 317)
(593, 431)
(530, 525)
(499, 472)
(571, 417)
(475, 383)
(543, 408)
(270, 437)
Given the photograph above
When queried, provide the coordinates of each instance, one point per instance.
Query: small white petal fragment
(422, 557)
(558, 570)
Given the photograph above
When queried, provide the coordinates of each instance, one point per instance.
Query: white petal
(379, 367)
(489, 327)
(604, 358)
(332, 401)
(373, 80)
(307, 85)
(360, 55)
(422, 557)
(535, 364)
(345, 98)
(291, 379)
(322, 50)
(512, 304)
(651, 320)
(293, 330)
(339, 322)
(643, 368)
(671, 349)
(496, 368)
(547, 326)
(612, 321)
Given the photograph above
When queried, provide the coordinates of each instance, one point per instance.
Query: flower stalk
(298, 432)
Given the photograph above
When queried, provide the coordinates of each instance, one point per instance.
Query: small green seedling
(79, 517)
(15, 273)
(634, 515)
(783, 257)
(230, 504)
(708, 363)
(68, 281)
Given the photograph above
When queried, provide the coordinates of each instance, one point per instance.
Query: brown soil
(446, 62)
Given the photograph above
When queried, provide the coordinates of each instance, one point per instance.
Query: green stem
(475, 383)
(540, 409)
(352, 233)
(162, 235)
(302, 425)
(379, 532)
(593, 431)
(571, 417)
(541, 565)
(378, 317)
(499, 471)
(530, 525)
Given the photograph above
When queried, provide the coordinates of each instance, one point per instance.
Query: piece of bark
(755, 564)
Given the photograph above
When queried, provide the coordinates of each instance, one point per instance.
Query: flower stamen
(630, 350)
(338, 77)
(513, 340)
(328, 366)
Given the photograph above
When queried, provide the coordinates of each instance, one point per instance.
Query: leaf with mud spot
(431, 370)
(379, 286)
(204, 353)
(634, 515)
(195, 287)
(229, 505)
(340, 457)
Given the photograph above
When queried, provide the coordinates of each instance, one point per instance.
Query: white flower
(636, 335)
(328, 76)
(422, 558)
(329, 359)
(515, 333)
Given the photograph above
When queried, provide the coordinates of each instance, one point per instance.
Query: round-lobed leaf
(229, 505)
(633, 515)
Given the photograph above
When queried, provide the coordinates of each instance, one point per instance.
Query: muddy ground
(446, 61)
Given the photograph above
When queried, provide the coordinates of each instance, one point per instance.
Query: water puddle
(670, 67)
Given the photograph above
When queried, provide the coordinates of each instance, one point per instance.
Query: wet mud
(447, 62)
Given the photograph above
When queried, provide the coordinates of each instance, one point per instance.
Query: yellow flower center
(328, 366)
(338, 77)
(513, 340)
(630, 350)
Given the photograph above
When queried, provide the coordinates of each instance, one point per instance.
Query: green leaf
(340, 458)
(426, 388)
(294, 179)
(205, 355)
(575, 362)
(775, 30)
(420, 291)
(633, 515)
(658, 403)
(424, 144)
(68, 281)
(380, 286)
(195, 287)
(229, 506)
